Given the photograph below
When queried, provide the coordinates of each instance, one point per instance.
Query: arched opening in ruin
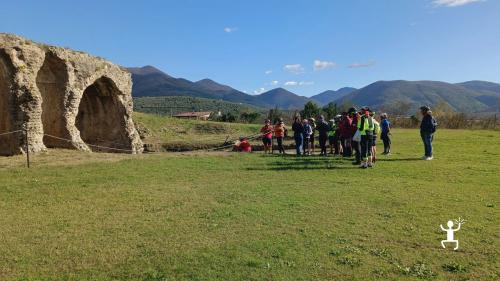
(52, 80)
(101, 116)
(8, 142)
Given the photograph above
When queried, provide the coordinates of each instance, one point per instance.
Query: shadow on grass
(293, 162)
(398, 159)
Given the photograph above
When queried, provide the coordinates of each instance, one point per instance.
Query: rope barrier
(91, 145)
(9, 133)
(251, 137)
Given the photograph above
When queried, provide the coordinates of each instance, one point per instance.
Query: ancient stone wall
(61, 95)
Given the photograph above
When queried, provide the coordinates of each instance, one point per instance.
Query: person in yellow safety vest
(376, 132)
(366, 127)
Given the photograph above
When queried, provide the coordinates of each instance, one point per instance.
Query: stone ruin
(65, 99)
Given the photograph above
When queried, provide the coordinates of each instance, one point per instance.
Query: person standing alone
(386, 133)
(427, 129)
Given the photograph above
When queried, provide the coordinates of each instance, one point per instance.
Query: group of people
(353, 133)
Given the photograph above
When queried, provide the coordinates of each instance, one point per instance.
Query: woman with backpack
(427, 129)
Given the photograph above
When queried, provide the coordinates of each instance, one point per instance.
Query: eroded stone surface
(57, 92)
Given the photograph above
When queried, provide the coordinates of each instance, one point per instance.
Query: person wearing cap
(312, 123)
(322, 127)
(298, 134)
(376, 131)
(267, 136)
(308, 132)
(279, 132)
(366, 127)
(356, 147)
(345, 134)
(386, 132)
(427, 129)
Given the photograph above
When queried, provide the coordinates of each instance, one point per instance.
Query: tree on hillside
(399, 108)
(344, 107)
(274, 115)
(330, 110)
(311, 110)
(227, 117)
(249, 117)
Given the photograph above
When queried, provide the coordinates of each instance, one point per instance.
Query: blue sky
(304, 46)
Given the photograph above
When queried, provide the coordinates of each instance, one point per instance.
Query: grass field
(166, 133)
(224, 216)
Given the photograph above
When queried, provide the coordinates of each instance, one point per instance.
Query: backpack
(434, 125)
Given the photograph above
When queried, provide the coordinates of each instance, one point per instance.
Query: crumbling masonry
(66, 99)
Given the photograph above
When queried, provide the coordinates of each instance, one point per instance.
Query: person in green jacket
(366, 127)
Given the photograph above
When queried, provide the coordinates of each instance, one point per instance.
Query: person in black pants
(298, 134)
(323, 129)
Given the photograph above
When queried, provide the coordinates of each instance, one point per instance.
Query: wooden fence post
(26, 140)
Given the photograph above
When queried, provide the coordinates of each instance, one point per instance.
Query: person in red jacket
(243, 146)
(345, 134)
(267, 136)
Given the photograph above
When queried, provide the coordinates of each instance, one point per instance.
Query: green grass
(253, 217)
(173, 133)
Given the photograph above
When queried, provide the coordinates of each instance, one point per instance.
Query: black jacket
(298, 128)
(323, 128)
(428, 124)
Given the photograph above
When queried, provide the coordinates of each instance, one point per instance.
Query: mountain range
(472, 96)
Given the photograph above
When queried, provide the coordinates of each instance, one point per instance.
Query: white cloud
(274, 83)
(230, 29)
(361, 65)
(294, 68)
(453, 3)
(322, 65)
(306, 83)
(296, 83)
(267, 72)
(259, 91)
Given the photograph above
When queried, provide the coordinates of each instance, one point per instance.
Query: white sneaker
(429, 158)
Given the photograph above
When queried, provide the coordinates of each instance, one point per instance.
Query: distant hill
(489, 93)
(149, 81)
(471, 96)
(330, 95)
(482, 86)
(283, 99)
(384, 94)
